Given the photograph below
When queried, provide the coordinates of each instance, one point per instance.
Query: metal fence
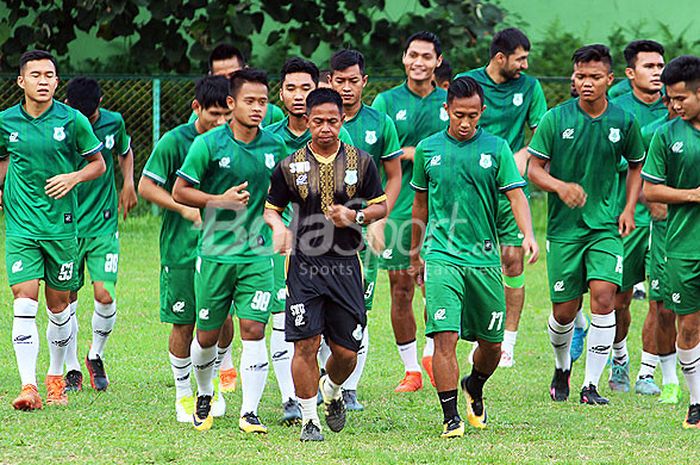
(151, 106)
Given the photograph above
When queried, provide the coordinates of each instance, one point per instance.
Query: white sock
(640, 287)
(620, 354)
(281, 353)
(690, 366)
(330, 389)
(254, 368)
(25, 338)
(58, 335)
(580, 321)
(103, 319)
(668, 368)
(227, 361)
(220, 356)
(509, 338)
(353, 380)
(203, 360)
(648, 365)
(599, 343)
(182, 367)
(560, 338)
(409, 356)
(72, 362)
(309, 411)
(428, 349)
(324, 351)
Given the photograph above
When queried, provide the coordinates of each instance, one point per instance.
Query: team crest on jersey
(614, 135)
(371, 137)
(225, 162)
(401, 115)
(677, 147)
(59, 133)
(14, 136)
(443, 114)
(351, 177)
(518, 99)
(270, 160)
(485, 161)
(109, 141)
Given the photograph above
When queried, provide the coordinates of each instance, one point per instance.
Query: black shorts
(325, 296)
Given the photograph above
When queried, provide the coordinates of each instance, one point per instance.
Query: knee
(183, 331)
(687, 334)
(492, 348)
(512, 262)
(307, 349)
(603, 302)
(445, 343)
(344, 355)
(252, 330)
(402, 290)
(207, 338)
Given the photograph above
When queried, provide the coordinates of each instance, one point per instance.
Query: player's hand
(417, 269)
(60, 185)
(341, 216)
(127, 199)
(694, 195)
(572, 195)
(282, 240)
(191, 214)
(375, 236)
(626, 223)
(658, 211)
(531, 249)
(234, 198)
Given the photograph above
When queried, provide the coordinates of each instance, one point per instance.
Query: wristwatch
(360, 217)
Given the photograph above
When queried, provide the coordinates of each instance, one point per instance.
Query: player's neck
(351, 110)
(243, 133)
(695, 122)
(36, 109)
(95, 116)
(594, 109)
(645, 96)
(495, 73)
(420, 88)
(325, 151)
(297, 124)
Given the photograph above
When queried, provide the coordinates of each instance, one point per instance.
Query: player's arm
(419, 222)
(60, 185)
(153, 192)
(523, 217)
(127, 196)
(278, 198)
(371, 190)
(654, 175)
(4, 163)
(632, 188)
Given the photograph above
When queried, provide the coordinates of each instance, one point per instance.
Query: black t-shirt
(313, 184)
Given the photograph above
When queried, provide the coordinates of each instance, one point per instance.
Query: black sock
(475, 384)
(448, 401)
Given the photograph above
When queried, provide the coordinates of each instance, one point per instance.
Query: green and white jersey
(620, 88)
(416, 118)
(375, 133)
(273, 115)
(97, 199)
(463, 181)
(674, 160)
(510, 106)
(586, 151)
(294, 142)
(178, 236)
(40, 148)
(649, 130)
(216, 162)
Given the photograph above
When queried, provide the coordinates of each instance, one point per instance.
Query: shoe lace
(55, 386)
(203, 406)
(251, 418)
(98, 367)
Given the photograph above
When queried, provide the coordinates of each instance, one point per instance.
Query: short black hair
(83, 94)
(225, 52)
(443, 72)
(685, 68)
(424, 36)
(463, 87)
(507, 41)
(244, 75)
(36, 55)
(344, 59)
(212, 91)
(594, 52)
(637, 46)
(323, 95)
(299, 65)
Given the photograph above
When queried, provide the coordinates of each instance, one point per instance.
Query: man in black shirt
(336, 190)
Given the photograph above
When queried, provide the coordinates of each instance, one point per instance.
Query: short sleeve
(419, 181)
(655, 168)
(371, 189)
(196, 162)
(279, 196)
(541, 143)
(392, 147)
(123, 142)
(633, 150)
(508, 177)
(345, 136)
(87, 143)
(538, 106)
(159, 166)
(379, 103)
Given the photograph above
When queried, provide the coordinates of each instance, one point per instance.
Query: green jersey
(649, 130)
(674, 160)
(97, 199)
(216, 162)
(620, 88)
(294, 142)
(586, 151)
(416, 118)
(273, 115)
(178, 236)
(463, 181)
(510, 106)
(375, 133)
(40, 148)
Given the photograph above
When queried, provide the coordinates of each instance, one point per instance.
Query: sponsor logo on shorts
(270, 160)
(178, 307)
(225, 162)
(14, 136)
(614, 135)
(17, 266)
(204, 314)
(68, 218)
(436, 160)
(676, 297)
(357, 334)
(282, 294)
(443, 114)
(677, 147)
(620, 262)
(59, 133)
(518, 99)
(568, 133)
(655, 284)
(559, 286)
(298, 311)
(388, 254)
(485, 161)
(488, 245)
(400, 115)
(440, 314)
(371, 137)
(109, 141)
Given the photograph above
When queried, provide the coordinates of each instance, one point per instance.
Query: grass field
(134, 421)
